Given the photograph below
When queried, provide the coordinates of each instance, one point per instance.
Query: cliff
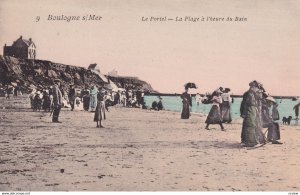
(39, 74)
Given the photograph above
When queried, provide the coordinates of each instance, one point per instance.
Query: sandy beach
(138, 150)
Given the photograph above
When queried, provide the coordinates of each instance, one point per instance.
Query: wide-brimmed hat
(56, 80)
(271, 99)
(72, 84)
(226, 89)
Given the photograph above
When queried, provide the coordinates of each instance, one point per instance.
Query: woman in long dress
(186, 103)
(93, 99)
(251, 113)
(225, 106)
(214, 115)
(269, 122)
(100, 109)
(86, 99)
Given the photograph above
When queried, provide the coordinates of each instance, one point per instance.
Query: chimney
(30, 39)
(21, 37)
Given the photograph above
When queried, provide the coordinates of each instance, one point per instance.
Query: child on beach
(198, 99)
(100, 109)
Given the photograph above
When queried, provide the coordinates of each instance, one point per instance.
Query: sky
(168, 54)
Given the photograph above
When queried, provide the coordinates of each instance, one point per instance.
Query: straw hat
(271, 99)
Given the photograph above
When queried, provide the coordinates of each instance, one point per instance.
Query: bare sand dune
(138, 150)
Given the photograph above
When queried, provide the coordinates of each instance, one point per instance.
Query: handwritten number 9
(37, 18)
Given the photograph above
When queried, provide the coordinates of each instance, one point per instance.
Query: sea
(174, 103)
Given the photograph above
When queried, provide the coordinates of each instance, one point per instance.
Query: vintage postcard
(149, 95)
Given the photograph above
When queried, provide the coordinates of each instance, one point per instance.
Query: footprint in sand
(100, 176)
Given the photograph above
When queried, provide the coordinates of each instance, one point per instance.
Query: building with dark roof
(21, 48)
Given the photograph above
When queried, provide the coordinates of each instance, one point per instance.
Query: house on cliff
(21, 48)
(92, 68)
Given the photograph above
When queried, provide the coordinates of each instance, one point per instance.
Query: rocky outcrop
(133, 83)
(40, 74)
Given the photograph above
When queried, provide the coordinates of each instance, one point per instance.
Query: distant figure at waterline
(187, 101)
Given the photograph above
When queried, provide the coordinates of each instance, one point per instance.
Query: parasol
(190, 85)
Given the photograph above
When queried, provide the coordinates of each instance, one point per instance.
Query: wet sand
(138, 150)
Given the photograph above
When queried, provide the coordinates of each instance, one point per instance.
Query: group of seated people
(157, 105)
(41, 100)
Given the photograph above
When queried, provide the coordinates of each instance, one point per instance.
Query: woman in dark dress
(86, 99)
(46, 102)
(251, 113)
(186, 103)
(100, 109)
(214, 115)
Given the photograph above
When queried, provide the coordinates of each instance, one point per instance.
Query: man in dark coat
(57, 100)
(85, 93)
(72, 96)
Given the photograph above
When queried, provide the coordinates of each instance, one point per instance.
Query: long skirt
(46, 103)
(86, 102)
(100, 112)
(225, 112)
(252, 130)
(185, 114)
(214, 115)
(93, 103)
(273, 132)
(72, 101)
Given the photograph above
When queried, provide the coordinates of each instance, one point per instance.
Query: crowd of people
(258, 110)
(157, 105)
(9, 90)
(92, 99)
(220, 110)
(255, 111)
